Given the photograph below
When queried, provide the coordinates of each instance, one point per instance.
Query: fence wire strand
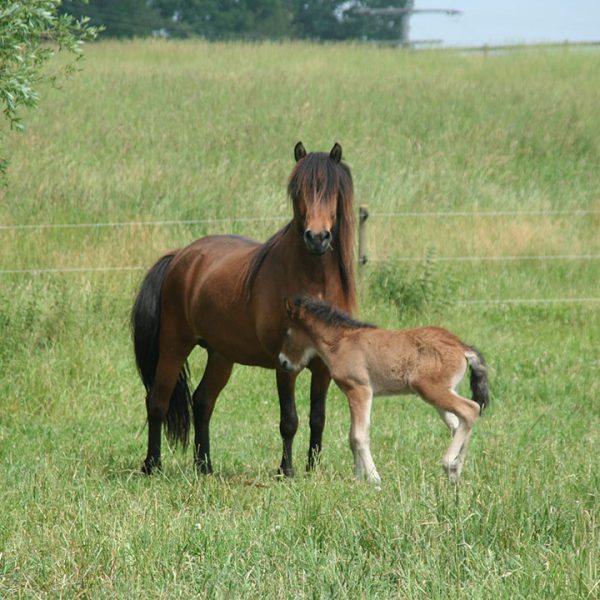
(399, 214)
(507, 258)
(271, 218)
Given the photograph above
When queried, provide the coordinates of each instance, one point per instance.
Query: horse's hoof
(375, 481)
(313, 461)
(204, 468)
(151, 466)
(312, 465)
(286, 472)
(453, 473)
(454, 476)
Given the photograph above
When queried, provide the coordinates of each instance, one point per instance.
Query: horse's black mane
(326, 312)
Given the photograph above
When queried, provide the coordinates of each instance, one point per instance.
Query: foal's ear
(336, 153)
(299, 151)
(289, 307)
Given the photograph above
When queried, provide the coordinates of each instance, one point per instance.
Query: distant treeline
(240, 19)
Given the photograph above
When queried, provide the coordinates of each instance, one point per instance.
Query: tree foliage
(241, 19)
(30, 33)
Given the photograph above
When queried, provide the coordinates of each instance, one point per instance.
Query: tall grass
(161, 130)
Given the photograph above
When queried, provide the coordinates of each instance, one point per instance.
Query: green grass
(157, 130)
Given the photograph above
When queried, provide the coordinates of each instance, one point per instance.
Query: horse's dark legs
(152, 460)
(318, 393)
(216, 375)
(157, 401)
(288, 420)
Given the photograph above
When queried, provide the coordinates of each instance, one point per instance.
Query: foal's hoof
(453, 471)
(151, 466)
(453, 478)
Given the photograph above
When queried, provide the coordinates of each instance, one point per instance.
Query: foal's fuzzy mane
(306, 180)
(329, 314)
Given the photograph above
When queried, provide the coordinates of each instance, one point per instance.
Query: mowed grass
(163, 131)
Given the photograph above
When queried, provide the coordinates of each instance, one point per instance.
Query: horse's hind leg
(168, 369)
(216, 375)
(450, 419)
(288, 418)
(453, 422)
(448, 401)
(455, 475)
(318, 393)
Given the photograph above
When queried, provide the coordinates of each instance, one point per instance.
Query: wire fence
(503, 258)
(273, 218)
(32, 227)
(109, 224)
(542, 257)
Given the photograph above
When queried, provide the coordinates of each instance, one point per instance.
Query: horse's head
(320, 187)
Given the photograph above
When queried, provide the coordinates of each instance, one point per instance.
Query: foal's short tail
(145, 327)
(479, 378)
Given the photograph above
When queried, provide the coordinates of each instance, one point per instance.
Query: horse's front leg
(359, 401)
(288, 419)
(318, 394)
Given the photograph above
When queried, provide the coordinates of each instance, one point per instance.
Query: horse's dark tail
(145, 327)
(479, 378)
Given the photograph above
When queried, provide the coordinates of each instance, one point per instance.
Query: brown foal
(365, 361)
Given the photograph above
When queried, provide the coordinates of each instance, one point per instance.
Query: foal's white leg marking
(452, 459)
(455, 455)
(450, 419)
(462, 454)
(360, 414)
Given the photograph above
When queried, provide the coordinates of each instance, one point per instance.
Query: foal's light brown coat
(365, 361)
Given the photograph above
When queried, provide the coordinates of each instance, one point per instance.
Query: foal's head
(298, 348)
(312, 323)
(320, 187)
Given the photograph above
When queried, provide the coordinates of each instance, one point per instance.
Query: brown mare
(226, 294)
(366, 361)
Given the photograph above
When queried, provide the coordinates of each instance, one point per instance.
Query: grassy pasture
(163, 131)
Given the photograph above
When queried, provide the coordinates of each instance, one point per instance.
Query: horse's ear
(299, 151)
(336, 153)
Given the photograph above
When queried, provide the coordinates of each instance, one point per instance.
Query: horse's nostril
(317, 243)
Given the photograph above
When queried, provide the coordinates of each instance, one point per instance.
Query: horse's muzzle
(285, 364)
(317, 243)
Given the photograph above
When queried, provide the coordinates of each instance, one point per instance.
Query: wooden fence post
(363, 215)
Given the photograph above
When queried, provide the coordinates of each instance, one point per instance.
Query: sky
(498, 22)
